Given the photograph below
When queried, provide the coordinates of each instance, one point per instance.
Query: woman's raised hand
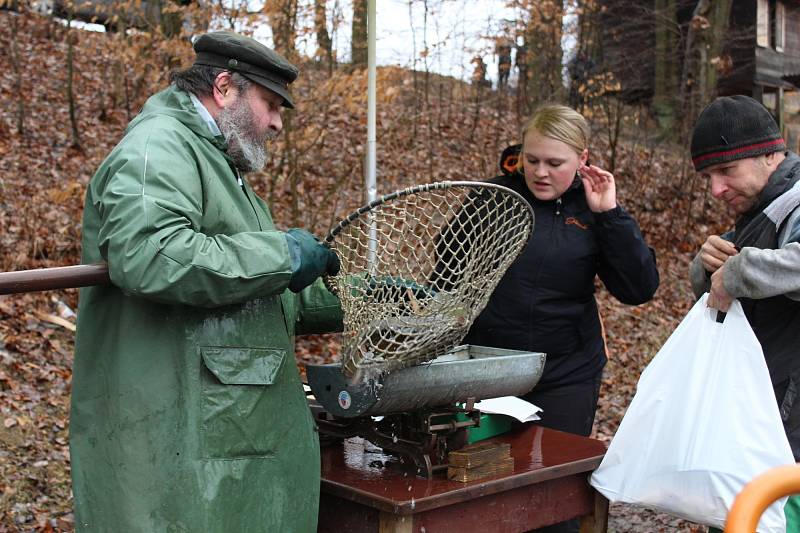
(601, 192)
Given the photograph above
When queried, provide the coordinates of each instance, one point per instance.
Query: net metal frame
(418, 266)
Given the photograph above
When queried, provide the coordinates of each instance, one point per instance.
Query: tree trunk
(544, 53)
(704, 43)
(587, 55)
(358, 45)
(76, 141)
(169, 22)
(612, 107)
(16, 61)
(666, 65)
(324, 44)
(282, 15)
(714, 40)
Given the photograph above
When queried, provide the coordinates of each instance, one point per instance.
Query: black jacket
(545, 302)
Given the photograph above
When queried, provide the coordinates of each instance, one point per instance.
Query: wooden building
(768, 58)
(760, 56)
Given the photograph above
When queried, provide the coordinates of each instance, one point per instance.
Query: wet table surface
(354, 471)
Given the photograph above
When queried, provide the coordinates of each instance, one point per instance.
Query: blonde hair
(561, 123)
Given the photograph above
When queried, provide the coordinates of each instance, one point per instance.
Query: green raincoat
(187, 410)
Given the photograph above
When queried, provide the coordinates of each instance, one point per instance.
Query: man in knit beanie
(737, 145)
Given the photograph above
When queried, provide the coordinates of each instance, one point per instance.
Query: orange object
(757, 495)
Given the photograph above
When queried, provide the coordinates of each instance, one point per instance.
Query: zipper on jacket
(250, 200)
(546, 252)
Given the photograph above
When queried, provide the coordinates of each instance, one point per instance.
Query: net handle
(439, 185)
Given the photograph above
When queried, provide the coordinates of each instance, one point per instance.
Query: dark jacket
(545, 302)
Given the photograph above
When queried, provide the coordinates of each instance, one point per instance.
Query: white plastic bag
(702, 424)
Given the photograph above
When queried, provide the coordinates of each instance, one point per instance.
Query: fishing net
(418, 266)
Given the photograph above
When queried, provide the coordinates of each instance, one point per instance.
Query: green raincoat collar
(178, 104)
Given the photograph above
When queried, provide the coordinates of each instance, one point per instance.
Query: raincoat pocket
(240, 399)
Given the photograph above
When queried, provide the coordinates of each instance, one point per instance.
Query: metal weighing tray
(468, 371)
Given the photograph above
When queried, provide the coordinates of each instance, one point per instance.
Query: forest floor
(456, 134)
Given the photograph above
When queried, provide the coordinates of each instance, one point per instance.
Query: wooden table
(549, 484)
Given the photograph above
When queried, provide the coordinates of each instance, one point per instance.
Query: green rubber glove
(310, 259)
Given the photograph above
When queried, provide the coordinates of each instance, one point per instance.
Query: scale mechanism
(420, 412)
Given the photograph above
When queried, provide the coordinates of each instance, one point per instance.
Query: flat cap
(248, 57)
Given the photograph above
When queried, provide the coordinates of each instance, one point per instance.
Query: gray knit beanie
(731, 128)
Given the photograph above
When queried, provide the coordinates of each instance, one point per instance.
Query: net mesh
(418, 266)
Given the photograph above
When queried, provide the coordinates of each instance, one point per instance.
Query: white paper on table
(510, 405)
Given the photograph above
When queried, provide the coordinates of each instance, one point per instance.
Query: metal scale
(417, 267)
(422, 412)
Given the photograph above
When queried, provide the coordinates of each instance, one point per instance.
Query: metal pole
(45, 279)
(372, 189)
(370, 181)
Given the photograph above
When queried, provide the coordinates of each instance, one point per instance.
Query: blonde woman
(545, 302)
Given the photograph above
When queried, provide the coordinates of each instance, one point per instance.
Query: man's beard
(246, 144)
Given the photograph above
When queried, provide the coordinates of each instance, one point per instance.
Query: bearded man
(187, 409)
